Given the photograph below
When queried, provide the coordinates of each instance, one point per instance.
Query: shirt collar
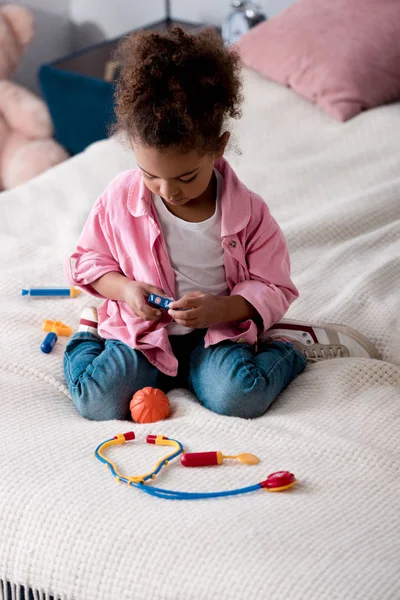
(235, 199)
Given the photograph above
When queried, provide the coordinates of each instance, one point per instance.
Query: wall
(63, 26)
(214, 11)
(117, 17)
(96, 20)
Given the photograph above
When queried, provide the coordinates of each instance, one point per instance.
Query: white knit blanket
(68, 529)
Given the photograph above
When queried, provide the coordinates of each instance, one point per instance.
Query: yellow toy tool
(57, 327)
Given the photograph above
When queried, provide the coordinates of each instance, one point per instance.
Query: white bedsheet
(67, 528)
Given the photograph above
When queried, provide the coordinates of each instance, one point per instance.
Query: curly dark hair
(176, 89)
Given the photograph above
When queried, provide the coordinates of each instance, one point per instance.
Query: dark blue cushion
(81, 107)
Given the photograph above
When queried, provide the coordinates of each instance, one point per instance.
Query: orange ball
(149, 405)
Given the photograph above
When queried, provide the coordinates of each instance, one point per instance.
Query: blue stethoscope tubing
(173, 494)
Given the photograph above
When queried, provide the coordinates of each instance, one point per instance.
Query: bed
(69, 531)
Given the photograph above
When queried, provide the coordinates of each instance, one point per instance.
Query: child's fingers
(183, 317)
(191, 324)
(149, 313)
(186, 302)
(151, 289)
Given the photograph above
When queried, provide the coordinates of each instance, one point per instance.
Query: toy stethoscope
(276, 482)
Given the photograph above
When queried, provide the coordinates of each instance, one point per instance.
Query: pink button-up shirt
(123, 234)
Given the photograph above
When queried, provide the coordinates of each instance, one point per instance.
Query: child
(182, 225)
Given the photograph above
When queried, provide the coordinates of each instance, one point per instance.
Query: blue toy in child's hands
(159, 301)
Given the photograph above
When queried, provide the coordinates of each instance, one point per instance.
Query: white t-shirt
(196, 253)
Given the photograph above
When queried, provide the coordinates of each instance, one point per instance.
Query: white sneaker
(89, 320)
(323, 341)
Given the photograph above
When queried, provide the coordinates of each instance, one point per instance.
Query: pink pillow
(343, 55)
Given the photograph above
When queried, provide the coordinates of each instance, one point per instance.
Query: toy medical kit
(55, 328)
(149, 405)
(159, 301)
(71, 292)
(276, 482)
(204, 459)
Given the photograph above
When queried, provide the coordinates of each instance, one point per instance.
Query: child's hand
(136, 294)
(200, 310)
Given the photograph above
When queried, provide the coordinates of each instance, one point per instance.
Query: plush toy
(26, 144)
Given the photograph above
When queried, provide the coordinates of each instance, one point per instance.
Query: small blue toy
(159, 301)
(48, 343)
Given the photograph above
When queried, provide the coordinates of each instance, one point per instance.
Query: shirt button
(232, 244)
(240, 341)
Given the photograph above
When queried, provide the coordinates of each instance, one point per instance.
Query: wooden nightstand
(79, 91)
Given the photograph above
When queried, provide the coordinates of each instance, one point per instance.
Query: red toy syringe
(205, 459)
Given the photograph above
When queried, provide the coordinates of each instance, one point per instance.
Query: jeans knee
(235, 400)
(98, 405)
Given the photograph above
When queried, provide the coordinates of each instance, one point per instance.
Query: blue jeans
(229, 378)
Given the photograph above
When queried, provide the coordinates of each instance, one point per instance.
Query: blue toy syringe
(69, 292)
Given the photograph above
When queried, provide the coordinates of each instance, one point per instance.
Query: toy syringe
(70, 291)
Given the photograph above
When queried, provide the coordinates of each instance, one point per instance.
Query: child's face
(177, 178)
